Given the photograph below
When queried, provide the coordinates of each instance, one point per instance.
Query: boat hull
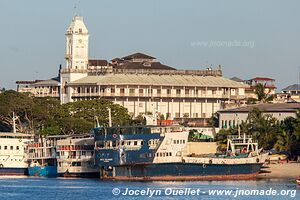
(43, 171)
(13, 171)
(182, 171)
(80, 175)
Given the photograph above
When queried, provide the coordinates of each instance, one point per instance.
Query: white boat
(75, 157)
(12, 155)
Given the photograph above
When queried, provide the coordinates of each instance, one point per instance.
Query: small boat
(298, 180)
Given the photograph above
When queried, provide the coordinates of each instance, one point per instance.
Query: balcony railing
(107, 94)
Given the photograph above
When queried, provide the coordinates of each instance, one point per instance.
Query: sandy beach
(282, 170)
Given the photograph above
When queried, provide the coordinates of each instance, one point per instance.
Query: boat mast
(109, 117)
(14, 123)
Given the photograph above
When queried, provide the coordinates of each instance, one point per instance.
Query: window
(131, 91)
(141, 91)
(5, 147)
(135, 143)
(158, 91)
(186, 115)
(187, 92)
(178, 91)
(17, 147)
(177, 115)
(112, 90)
(168, 91)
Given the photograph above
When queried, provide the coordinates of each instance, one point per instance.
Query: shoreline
(280, 171)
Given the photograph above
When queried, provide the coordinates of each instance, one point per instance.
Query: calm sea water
(22, 188)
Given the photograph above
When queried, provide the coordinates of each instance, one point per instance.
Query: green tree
(263, 127)
(261, 95)
(214, 120)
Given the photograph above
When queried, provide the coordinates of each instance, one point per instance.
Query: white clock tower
(76, 57)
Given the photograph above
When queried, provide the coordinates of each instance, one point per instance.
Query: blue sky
(32, 32)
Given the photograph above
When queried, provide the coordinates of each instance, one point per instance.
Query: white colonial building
(230, 118)
(137, 82)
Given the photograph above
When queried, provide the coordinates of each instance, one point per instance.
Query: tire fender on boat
(1, 165)
(204, 165)
(257, 160)
(210, 161)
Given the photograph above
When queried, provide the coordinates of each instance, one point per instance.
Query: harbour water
(15, 188)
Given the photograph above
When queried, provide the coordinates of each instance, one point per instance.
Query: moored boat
(162, 153)
(12, 159)
(298, 180)
(75, 157)
(41, 157)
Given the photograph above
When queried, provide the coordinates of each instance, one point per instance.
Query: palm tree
(261, 95)
(263, 128)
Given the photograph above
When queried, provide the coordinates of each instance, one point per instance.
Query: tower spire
(76, 8)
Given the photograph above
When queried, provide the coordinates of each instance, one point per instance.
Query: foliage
(261, 95)
(270, 133)
(214, 120)
(48, 116)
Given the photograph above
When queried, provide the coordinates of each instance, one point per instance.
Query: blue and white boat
(12, 159)
(163, 153)
(41, 157)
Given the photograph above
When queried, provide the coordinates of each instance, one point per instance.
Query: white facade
(12, 148)
(230, 118)
(76, 56)
(145, 86)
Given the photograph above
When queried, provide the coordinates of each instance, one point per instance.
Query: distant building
(138, 82)
(237, 79)
(40, 88)
(232, 117)
(268, 83)
(289, 94)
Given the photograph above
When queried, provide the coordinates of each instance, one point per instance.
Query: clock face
(80, 40)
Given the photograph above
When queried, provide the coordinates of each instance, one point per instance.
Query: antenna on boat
(239, 131)
(109, 117)
(97, 121)
(14, 118)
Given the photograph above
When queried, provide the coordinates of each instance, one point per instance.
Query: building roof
(50, 82)
(294, 87)
(98, 63)
(77, 26)
(262, 79)
(143, 65)
(155, 79)
(276, 107)
(236, 79)
(137, 56)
